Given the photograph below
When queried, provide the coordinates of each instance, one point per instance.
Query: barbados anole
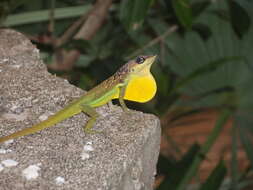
(133, 82)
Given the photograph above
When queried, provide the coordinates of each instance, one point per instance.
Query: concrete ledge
(122, 157)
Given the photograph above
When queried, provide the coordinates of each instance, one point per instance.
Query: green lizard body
(124, 84)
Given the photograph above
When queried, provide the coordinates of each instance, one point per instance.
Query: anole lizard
(133, 81)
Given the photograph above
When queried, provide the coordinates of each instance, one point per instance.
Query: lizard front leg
(121, 97)
(90, 111)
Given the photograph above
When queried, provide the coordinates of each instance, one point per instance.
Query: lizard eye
(140, 60)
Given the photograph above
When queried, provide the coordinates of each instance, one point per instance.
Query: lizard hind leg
(93, 117)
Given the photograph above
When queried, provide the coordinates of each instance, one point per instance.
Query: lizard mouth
(149, 61)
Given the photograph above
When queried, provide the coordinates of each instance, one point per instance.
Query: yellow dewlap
(140, 89)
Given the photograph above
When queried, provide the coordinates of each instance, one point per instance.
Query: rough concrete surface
(122, 157)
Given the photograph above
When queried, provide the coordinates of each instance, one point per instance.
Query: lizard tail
(51, 121)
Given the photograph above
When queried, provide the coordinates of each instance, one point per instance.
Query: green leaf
(244, 96)
(234, 160)
(216, 178)
(43, 15)
(188, 157)
(183, 11)
(126, 8)
(239, 18)
(222, 14)
(211, 67)
(158, 25)
(15, 4)
(163, 81)
(133, 13)
(203, 30)
(199, 7)
(215, 98)
(193, 51)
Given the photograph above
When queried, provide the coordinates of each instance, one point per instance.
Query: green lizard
(133, 82)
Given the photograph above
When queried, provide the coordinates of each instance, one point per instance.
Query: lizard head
(141, 65)
(136, 67)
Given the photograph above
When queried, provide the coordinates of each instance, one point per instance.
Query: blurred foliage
(207, 58)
